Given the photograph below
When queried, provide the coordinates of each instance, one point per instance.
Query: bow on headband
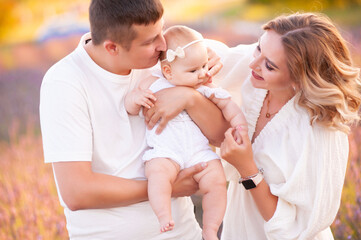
(179, 52)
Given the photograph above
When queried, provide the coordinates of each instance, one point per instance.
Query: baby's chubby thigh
(212, 177)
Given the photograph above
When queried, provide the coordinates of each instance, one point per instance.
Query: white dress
(181, 140)
(304, 167)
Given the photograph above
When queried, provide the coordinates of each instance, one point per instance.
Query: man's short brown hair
(113, 19)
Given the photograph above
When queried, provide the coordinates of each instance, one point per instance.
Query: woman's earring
(293, 87)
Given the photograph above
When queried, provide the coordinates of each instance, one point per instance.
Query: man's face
(145, 48)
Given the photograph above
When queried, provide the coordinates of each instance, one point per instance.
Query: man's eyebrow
(150, 39)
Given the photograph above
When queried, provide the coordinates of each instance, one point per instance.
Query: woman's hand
(185, 185)
(170, 102)
(214, 64)
(237, 150)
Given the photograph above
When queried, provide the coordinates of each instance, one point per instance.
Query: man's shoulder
(64, 70)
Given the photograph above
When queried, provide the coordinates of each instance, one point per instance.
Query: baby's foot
(167, 226)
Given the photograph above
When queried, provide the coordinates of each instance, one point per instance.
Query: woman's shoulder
(296, 121)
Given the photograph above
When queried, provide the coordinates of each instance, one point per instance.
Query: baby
(182, 144)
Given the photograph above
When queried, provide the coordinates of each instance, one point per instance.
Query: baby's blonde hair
(320, 65)
(178, 36)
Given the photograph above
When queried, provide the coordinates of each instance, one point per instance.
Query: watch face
(248, 184)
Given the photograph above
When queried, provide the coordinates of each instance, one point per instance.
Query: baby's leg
(161, 173)
(212, 184)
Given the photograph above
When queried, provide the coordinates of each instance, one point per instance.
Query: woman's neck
(280, 97)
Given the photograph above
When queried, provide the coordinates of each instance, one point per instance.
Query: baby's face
(191, 70)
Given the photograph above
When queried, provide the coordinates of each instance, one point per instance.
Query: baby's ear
(167, 71)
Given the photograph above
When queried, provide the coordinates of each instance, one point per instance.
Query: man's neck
(100, 56)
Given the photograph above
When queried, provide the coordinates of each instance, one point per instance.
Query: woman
(300, 100)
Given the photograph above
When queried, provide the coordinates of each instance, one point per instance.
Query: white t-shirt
(303, 165)
(83, 118)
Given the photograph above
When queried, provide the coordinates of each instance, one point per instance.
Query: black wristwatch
(251, 182)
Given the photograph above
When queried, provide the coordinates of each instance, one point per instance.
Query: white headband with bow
(179, 52)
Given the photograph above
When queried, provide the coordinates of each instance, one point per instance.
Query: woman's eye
(269, 67)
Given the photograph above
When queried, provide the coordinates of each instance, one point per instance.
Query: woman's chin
(257, 83)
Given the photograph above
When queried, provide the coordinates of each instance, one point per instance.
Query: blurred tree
(6, 17)
(20, 19)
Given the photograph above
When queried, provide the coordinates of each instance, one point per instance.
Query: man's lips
(256, 76)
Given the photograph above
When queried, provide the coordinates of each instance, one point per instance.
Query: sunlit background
(35, 34)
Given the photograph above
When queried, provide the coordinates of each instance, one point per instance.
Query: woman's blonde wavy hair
(321, 67)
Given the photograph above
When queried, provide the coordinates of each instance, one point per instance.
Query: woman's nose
(254, 65)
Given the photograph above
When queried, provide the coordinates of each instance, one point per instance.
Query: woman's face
(269, 67)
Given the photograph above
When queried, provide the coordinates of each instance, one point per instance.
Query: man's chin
(149, 65)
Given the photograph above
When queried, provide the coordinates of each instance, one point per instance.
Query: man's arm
(81, 188)
(208, 117)
(68, 144)
(170, 102)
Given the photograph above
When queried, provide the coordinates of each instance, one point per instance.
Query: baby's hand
(237, 135)
(143, 97)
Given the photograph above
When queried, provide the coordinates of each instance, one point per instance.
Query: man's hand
(170, 102)
(185, 185)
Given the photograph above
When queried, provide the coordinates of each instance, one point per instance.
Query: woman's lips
(256, 76)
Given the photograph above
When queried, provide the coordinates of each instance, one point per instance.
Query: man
(95, 147)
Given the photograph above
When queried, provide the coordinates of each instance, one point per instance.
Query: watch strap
(252, 181)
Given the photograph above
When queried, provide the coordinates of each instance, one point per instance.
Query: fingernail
(204, 165)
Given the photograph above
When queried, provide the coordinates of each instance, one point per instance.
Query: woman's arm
(241, 157)
(303, 194)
